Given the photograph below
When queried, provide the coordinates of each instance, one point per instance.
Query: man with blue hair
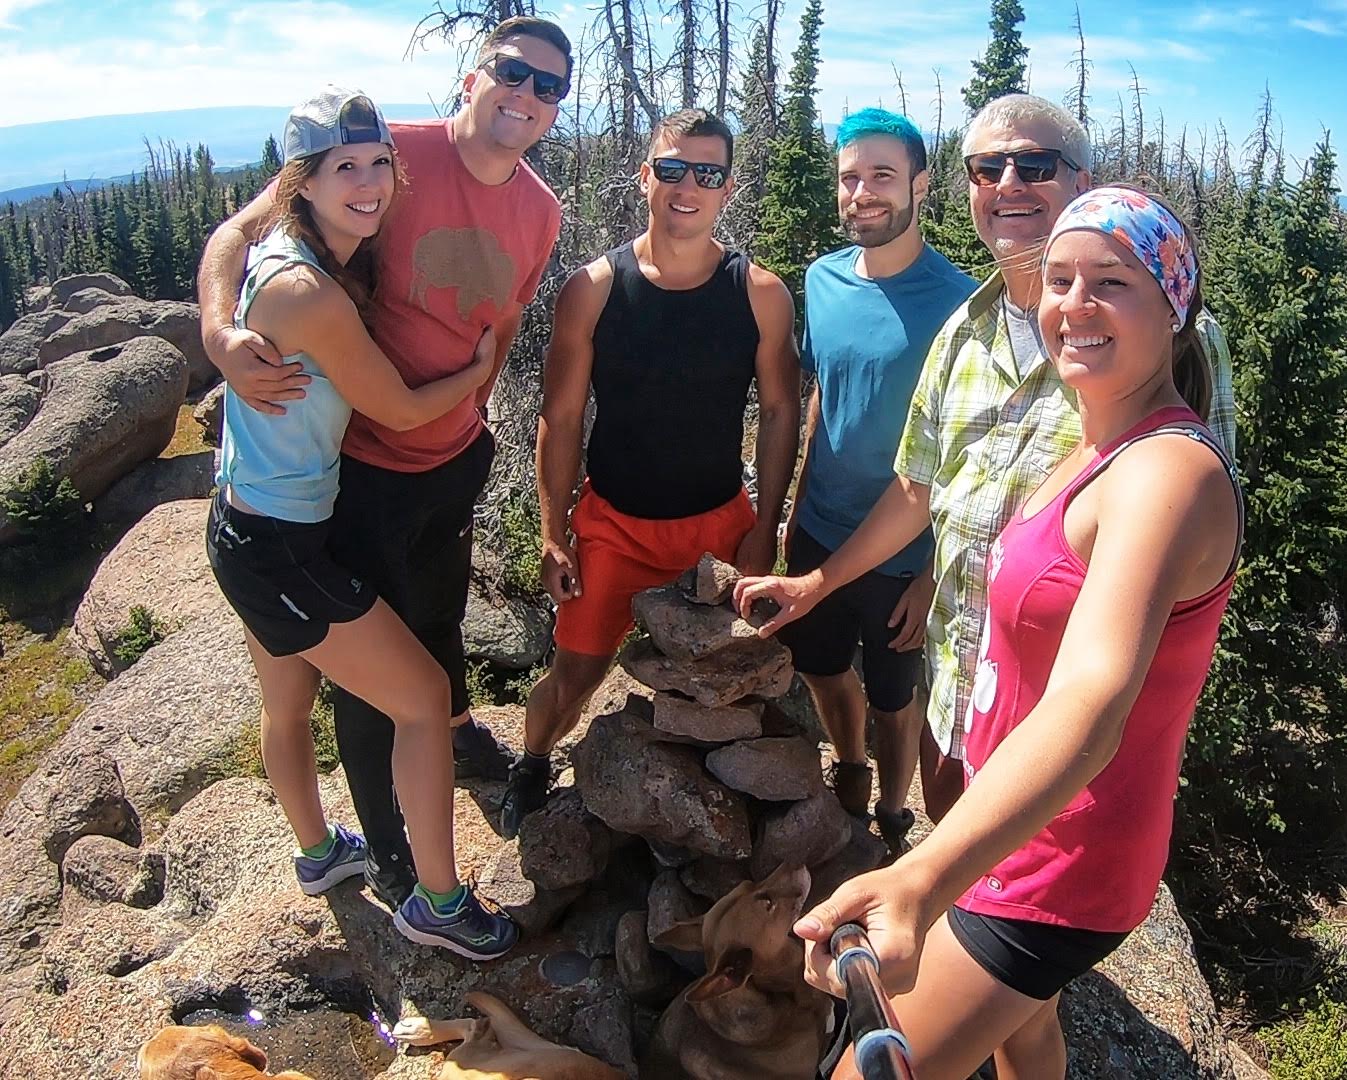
(872, 310)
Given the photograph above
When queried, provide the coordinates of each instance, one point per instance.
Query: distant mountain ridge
(34, 158)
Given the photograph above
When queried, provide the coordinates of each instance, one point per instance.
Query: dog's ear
(730, 974)
(685, 935)
(253, 1055)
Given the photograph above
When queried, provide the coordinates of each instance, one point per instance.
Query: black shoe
(393, 881)
(477, 753)
(893, 827)
(525, 792)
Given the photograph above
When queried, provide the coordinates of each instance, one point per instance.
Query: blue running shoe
(472, 930)
(346, 859)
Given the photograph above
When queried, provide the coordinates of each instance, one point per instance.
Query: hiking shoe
(525, 792)
(850, 781)
(893, 827)
(346, 859)
(471, 930)
(391, 879)
(477, 753)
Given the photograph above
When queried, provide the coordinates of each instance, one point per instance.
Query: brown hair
(1192, 368)
(695, 122)
(527, 26)
(292, 212)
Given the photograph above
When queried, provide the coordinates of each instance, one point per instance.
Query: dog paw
(414, 1031)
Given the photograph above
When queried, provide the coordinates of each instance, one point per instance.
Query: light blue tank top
(283, 466)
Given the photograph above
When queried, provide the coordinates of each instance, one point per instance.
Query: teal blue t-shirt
(866, 341)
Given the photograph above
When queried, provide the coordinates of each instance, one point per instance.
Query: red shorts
(620, 555)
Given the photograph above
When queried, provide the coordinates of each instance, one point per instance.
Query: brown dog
(203, 1053)
(752, 1015)
(500, 1047)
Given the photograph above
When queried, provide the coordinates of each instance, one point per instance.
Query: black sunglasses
(670, 170)
(1032, 166)
(548, 87)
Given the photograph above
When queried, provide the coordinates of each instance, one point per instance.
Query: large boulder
(163, 480)
(209, 413)
(64, 289)
(175, 321)
(19, 399)
(749, 666)
(101, 414)
(511, 632)
(658, 790)
(73, 794)
(20, 343)
(1146, 1011)
(173, 721)
(159, 565)
(86, 300)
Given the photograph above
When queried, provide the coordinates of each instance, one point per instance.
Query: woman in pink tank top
(1105, 597)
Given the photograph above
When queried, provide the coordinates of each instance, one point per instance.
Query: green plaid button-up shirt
(982, 435)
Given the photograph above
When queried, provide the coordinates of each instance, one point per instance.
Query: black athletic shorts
(280, 578)
(824, 641)
(1035, 959)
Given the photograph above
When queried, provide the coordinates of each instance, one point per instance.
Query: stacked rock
(702, 767)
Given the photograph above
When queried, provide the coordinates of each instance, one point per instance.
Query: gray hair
(1013, 109)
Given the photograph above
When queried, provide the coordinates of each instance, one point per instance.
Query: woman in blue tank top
(308, 286)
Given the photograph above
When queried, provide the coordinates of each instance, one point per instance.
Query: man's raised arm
(250, 364)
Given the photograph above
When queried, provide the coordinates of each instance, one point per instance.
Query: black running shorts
(824, 642)
(278, 576)
(1032, 958)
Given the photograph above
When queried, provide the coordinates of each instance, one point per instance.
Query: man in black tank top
(669, 331)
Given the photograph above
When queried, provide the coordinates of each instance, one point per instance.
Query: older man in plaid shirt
(989, 419)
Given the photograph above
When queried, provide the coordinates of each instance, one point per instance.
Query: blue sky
(1200, 63)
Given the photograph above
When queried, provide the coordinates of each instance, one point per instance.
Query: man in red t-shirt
(462, 250)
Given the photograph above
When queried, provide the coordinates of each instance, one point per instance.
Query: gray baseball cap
(333, 117)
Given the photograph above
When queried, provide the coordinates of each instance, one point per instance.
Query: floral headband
(1147, 229)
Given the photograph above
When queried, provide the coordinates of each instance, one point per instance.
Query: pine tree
(799, 207)
(271, 158)
(1002, 67)
(757, 109)
(1276, 264)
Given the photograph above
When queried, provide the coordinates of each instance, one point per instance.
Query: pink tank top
(1097, 864)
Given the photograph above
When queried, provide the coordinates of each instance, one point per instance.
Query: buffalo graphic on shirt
(470, 260)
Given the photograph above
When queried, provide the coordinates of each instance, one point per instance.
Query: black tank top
(671, 376)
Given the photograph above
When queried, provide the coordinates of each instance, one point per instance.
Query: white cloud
(263, 54)
(10, 8)
(1319, 26)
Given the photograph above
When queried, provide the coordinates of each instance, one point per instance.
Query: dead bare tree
(1078, 98)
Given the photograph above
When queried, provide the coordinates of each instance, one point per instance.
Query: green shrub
(141, 634)
(521, 524)
(1311, 1048)
(40, 503)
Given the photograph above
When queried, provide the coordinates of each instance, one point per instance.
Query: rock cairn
(699, 767)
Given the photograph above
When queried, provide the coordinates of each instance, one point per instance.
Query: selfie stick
(881, 1049)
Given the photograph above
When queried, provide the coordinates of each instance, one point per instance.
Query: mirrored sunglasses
(548, 87)
(1033, 166)
(670, 170)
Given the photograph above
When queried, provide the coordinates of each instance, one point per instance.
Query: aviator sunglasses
(1032, 166)
(548, 87)
(670, 170)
